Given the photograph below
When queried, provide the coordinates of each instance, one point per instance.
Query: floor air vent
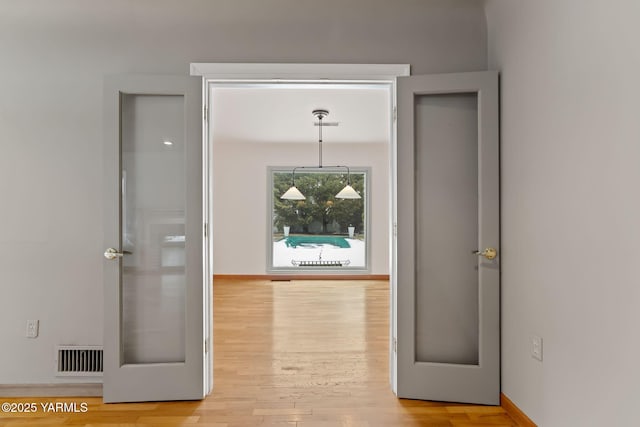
(72, 360)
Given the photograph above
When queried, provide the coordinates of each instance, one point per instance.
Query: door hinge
(205, 230)
(205, 110)
(395, 345)
(395, 229)
(206, 346)
(395, 114)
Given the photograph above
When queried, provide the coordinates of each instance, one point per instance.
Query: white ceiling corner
(283, 113)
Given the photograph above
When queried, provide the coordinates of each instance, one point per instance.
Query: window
(322, 232)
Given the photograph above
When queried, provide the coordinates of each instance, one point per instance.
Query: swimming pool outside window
(322, 233)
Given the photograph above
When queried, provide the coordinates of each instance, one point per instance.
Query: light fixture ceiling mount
(348, 192)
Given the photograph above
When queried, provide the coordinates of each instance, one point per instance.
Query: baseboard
(515, 412)
(301, 276)
(51, 390)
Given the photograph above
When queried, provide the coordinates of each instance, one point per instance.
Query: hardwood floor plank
(281, 411)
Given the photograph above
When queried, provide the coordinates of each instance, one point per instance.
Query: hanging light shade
(348, 192)
(293, 194)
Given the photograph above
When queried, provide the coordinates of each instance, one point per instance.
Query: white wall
(570, 206)
(240, 222)
(253, 128)
(54, 56)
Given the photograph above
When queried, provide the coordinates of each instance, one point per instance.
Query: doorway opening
(259, 134)
(252, 122)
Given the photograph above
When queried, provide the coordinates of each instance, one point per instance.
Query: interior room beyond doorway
(257, 126)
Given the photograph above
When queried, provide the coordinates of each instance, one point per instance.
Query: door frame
(235, 73)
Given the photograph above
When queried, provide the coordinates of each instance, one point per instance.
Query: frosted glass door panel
(446, 203)
(153, 197)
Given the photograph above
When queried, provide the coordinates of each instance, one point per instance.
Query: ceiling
(282, 113)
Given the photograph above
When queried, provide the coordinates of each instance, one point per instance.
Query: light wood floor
(298, 354)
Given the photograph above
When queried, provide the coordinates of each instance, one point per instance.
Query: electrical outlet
(536, 348)
(32, 328)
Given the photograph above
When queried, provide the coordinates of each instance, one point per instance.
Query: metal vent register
(79, 360)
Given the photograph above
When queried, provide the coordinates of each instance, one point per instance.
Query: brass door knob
(488, 253)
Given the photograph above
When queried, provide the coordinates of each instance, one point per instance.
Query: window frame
(347, 270)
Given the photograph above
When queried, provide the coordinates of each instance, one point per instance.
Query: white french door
(445, 296)
(448, 274)
(154, 345)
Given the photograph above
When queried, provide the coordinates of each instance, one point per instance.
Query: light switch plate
(32, 328)
(536, 347)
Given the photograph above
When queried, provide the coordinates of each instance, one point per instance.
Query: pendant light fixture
(348, 192)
